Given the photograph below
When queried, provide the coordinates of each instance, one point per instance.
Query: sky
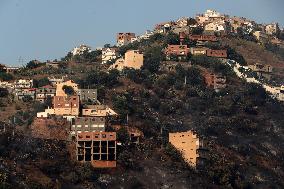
(48, 29)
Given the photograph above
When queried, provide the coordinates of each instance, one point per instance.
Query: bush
(4, 92)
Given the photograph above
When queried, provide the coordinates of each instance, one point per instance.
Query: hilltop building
(80, 50)
(109, 54)
(124, 38)
(133, 59)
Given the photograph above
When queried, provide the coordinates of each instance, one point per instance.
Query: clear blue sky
(48, 29)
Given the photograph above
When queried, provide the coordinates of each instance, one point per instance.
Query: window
(103, 136)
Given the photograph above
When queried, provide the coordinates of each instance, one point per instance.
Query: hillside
(241, 124)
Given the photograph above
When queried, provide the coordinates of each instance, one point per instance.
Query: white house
(81, 49)
(109, 54)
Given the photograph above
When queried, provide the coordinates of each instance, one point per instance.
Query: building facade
(42, 93)
(88, 94)
(70, 83)
(99, 148)
(133, 59)
(193, 149)
(124, 38)
(66, 105)
(87, 124)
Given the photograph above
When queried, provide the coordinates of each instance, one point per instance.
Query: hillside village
(194, 102)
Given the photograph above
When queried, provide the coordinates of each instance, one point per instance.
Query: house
(99, 148)
(215, 81)
(133, 59)
(25, 94)
(66, 105)
(180, 51)
(87, 124)
(70, 83)
(261, 36)
(88, 94)
(192, 148)
(47, 112)
(182, 22)
(109, 54)
(23, 84)
(262, 71)
(216, 53)
(80, 50)
(97, 111)
(272, 29)
(198, 50)
(45, 92)
(124, 38)
(216, 27)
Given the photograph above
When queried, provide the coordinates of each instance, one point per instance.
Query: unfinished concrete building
(99, 148)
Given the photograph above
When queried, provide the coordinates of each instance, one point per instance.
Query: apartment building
(99, 148)
(87, 124)
(109, 54)
(216, 53)
(133, 59)
(88, 95)
(97, 111)
(70, 83)
(25, 94)
(215, 81)
(211, 38)
(23, 84)
(66, 105)
(124, 38)
(45, 92)
(181, 51)
(272, 29)
(192, 148)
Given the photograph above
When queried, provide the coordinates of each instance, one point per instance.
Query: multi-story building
(124, 38)
(192, 148)
(99, 148)
(23, 84)
(216, 53)
(109, 54)
(98, 111)
(87, 124)
(25, 94)
(70, 83)
(88, 94)
(216, 81)
(182, 22)
(262, 71)
(66, 105)
(10, 69)
(133, 59)
(45, 92)
(181, 51)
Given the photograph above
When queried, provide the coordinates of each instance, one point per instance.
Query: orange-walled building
(191, 147)
(66, 105)
(59, 87)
